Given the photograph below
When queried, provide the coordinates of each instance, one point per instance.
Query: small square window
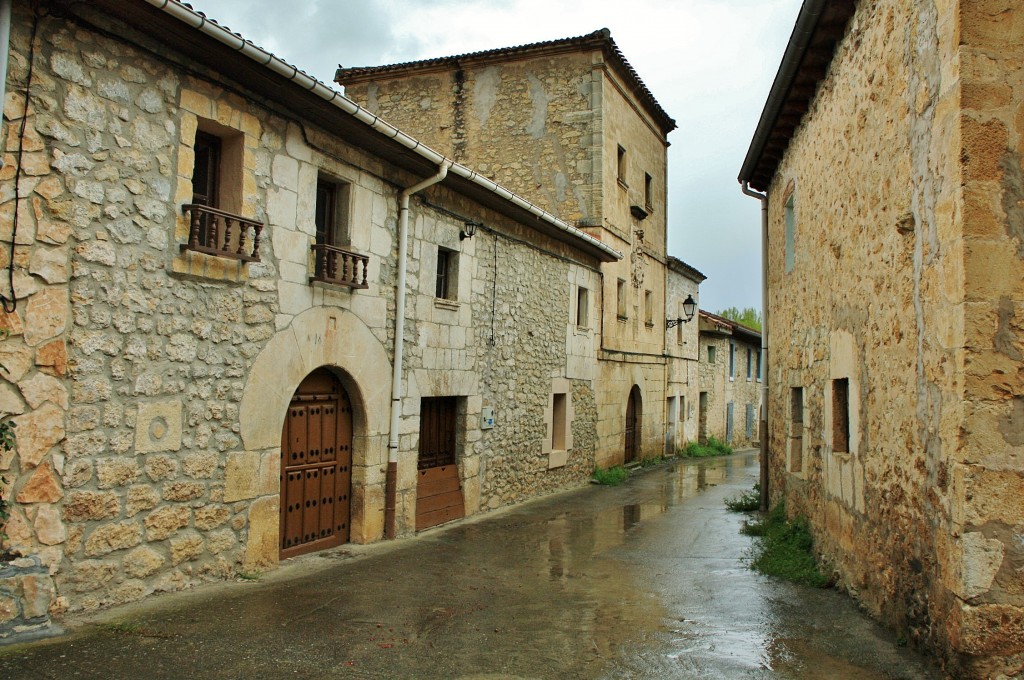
(841, 415)
(582, 307)
(620, 299)
(559, 423)
(446, 274)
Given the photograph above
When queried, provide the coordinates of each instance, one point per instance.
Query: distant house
(682, 349)
(890, 151)
(569, 124)
(729, 396)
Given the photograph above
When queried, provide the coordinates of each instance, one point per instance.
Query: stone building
(729, 397)
(208, 312)
(571, 125)
(682, 299)
(890, 152)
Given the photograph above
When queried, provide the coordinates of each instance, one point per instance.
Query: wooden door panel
(316, 457)
(439, 496)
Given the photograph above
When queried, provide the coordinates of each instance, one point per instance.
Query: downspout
(391, 476)
(5, 47)
(763, 425)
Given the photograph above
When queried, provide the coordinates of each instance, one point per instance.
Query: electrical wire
(10, 305)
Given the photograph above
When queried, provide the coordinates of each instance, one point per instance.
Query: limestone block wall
(528, 124)
(683, 350)
(712, 379)
(617, 377)
(988, 468)
(888, 287)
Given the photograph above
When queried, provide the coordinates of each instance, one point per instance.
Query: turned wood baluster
(193, 239)
(243, 231)
(256, 242)
(344, 269)
(227, 235)
(323, 268)
(331, 272)
(212, 232)
(366, 261)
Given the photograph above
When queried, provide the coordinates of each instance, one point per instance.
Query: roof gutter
(282, 68)
(799, 40)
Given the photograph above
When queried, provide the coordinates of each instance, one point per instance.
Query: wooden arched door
(316, 466)
(633, 420)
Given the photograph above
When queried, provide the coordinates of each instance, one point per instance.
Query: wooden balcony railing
(337, 265)
(216, 232)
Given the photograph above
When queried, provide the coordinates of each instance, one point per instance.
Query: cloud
(710, 64)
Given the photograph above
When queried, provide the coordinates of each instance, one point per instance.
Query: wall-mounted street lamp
(689, 309)
(469, 229)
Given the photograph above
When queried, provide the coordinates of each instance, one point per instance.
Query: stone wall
(986, 572)
(682, 347)
(548, 125)
(528, 124)
(723, 389)
(150, 385)
(882, 297)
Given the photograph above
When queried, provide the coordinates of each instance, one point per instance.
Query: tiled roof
(598, 39)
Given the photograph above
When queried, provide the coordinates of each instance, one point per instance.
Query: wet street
(644, 580)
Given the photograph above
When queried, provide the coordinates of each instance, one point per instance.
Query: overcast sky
(709, 63)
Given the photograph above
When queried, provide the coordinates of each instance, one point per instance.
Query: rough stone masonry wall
(742, 392)
(873, 298)
(712, 378)
(989, 469)
(134, 498)
(529, 125)
(532, 299)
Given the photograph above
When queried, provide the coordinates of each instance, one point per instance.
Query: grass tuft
(611, 476)
(714, 447)
(748, 501)
(784, 548)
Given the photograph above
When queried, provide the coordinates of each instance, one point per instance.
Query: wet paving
(644, 580)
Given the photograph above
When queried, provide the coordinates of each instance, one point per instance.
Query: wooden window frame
(447, 270)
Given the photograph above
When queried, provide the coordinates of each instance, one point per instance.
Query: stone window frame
(582, 307)
(211, 112)
(648, 192)
(712, 354)
(446, 278)
(649, 308)
(558, 457)
(340, 213)
(621, 304)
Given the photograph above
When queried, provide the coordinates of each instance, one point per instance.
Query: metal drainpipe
(391, 476)
(763, 426)
(5, 47)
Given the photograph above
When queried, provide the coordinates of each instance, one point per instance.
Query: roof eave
(819, 27)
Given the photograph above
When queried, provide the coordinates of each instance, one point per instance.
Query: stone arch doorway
(634, 419)
(316, 466)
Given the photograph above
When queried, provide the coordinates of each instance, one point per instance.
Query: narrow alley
(644, 580)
